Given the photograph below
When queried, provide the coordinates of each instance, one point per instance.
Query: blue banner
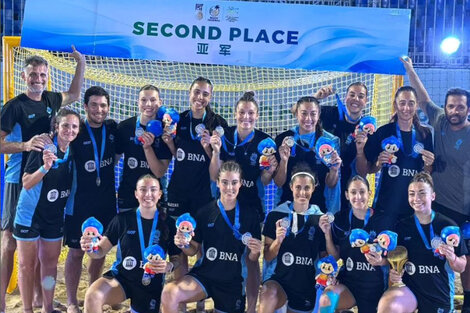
(367, 40)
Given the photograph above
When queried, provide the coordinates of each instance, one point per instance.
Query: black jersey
(22, 118)
(135, 163)
(357, 271)
(392, 194)
(46, 200)
(429, 277)
(309, 157)
(295, 262)
(247, 156)
(123, 231)
(344, 131)
(222, 252)
(90, 196)
(191, 169)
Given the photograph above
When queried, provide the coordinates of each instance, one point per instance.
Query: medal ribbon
(421, 231)
(194, 137)
(66, 155)
(95, 147)
(297, 137)
(343, 111)
(236, 226)
(141, 231)
(235, 139)
(413, 141)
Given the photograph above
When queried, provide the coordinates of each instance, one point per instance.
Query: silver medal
(418, 148)
(146, 279)
(246, 237)
(331, 217)
(436, 242)
(285, 222)
(290, 142)
(139, 132)
(200, 128)
(220, 131)
(50, 147)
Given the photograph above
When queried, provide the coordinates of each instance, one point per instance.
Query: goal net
(276, 89)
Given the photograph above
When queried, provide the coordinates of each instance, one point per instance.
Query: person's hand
(335, 161)
(77, 55)
(180, 240)
(158, 266)
(407, 63)
(395, 277)
(255, 245)
(48, 158)
(147, 140)
(281, 232)
(384, 158)
(272, 164)
(86, 243)
(216, 143)
(205, 139)
(374, 258)
(324, 92)
(361, 139)
(284, 152)
(448, 252)
(324, 225)
(37, 142)
(167, 138)
(428, 157)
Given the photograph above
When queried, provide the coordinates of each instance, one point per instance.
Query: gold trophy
(397, 259)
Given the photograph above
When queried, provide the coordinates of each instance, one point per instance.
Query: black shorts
(457, 217)
(143, 299)
(227, 297)
(73, 227)
(367, 298)
(302, 302)
(179, 203)
(11, 194)
(48, 232)
(426, 306)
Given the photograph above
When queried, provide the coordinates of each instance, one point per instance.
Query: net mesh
(276, 89)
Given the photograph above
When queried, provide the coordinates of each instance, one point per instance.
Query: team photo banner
(313, 37)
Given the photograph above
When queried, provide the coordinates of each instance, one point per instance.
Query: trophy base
(398, 285)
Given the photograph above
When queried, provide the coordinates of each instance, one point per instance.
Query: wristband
(43, 170)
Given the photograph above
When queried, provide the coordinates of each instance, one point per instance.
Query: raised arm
(416, 83)
(73, 94)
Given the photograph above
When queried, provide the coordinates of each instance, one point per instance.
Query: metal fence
(431, 22)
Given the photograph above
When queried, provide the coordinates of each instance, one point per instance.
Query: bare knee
(75, 254)
(8, 243)
(94, 300)
(169, 295)
(268, 294)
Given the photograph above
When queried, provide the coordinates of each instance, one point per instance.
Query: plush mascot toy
(186, 225)
(152, 253)
(170, 119)
(92, 227)
(324, 148)
(391, 145)
(266, 148)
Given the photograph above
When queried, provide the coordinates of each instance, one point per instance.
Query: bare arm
(157, 166)
(32, 179)
(214, 166)
(331, 248)
(168, 139)
(36, 143)
(423, 97)
(267, 175)
(332, 176)
(103, 247)
(271, 247)
(73, 94)
(280, 176)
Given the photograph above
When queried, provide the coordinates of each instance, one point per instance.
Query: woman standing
(305, 136)
(225, 229)
(291, 233)
(133, 231)
(414, 144)
(39, 220)
(429, 278)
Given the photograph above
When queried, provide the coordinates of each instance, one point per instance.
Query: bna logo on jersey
(288, 259)
(132, 163)
(90, 166)
(52, 195)
(129, 263)
(211, 254)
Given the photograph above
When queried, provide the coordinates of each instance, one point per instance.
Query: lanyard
(66, 155)
(366, 220)
(413, 141)
(343, 111)
(235, 141)
(141, 231)
(137, 126)
(289, 230)
(297, 136)
(236, 226)
(421, 232)
(194, 137)
(95, 149)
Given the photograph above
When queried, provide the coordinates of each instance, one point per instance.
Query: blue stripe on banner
(351, 39)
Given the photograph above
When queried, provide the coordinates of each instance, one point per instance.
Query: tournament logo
(349, 264)
(90, 166)
(211, 254)
(129, 263)
(132, 163)
(180, 154)
(156, 239)
(214, 13)
(232, 15)
(288, 259)
(52, 195)
(410, 268)
(253, 159)
(198, 13)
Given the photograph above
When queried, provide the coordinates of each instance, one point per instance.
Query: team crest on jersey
(90, 166)
(132, 163)
(52, 195)
(129, 263)
(180, 154)
(211, 254)
(288, 259)
(349, 264)
(410, 268)
(253, 159)
(311, 233)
